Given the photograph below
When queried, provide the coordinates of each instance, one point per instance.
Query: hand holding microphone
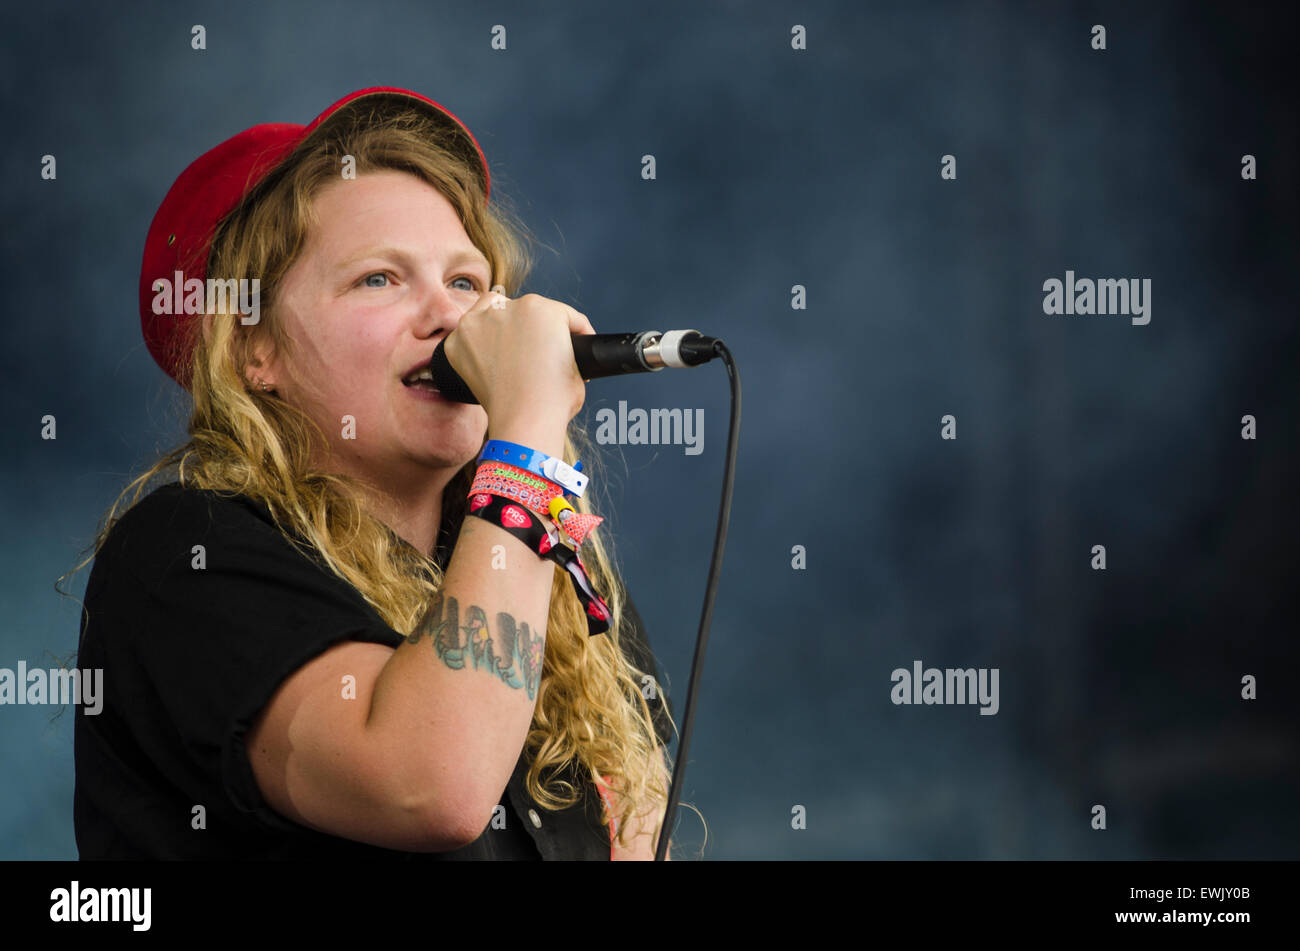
(592, 355)
(516, 357)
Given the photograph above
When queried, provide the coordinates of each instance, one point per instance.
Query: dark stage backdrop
(869, 203)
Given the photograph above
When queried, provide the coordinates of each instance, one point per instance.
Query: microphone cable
(710, 594)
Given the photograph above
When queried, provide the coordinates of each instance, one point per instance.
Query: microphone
(600, 355)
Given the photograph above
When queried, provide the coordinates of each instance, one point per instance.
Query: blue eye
(368, 282)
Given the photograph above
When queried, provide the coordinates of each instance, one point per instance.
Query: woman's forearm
(460, 692)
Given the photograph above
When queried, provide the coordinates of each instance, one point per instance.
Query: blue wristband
(569, 478)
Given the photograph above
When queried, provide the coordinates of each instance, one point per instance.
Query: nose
(439, 312)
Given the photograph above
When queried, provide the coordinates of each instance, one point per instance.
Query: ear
(263, 363)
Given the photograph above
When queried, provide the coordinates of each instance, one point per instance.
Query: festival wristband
(572, 522)
(538, 495)
(501, 478)
(570, 478)
(545, 542)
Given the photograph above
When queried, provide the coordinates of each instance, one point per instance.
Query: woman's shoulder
(173, 497)
(174, 507)
(176, 523)
(183, 550)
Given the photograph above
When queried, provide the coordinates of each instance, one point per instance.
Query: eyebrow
(463, 255)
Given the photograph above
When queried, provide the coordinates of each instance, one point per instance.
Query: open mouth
(421, 379)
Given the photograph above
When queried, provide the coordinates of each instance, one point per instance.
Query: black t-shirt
(190, 657)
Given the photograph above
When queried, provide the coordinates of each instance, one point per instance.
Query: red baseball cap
(181, 234)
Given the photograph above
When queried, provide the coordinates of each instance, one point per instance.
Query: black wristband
(544, 541)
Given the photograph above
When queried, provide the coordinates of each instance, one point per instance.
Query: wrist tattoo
(514, 656)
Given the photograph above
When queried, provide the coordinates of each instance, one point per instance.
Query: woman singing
(362, 619)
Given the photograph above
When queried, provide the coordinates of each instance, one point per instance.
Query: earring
(263, 385)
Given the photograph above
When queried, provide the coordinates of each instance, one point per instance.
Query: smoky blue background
(778, 167)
